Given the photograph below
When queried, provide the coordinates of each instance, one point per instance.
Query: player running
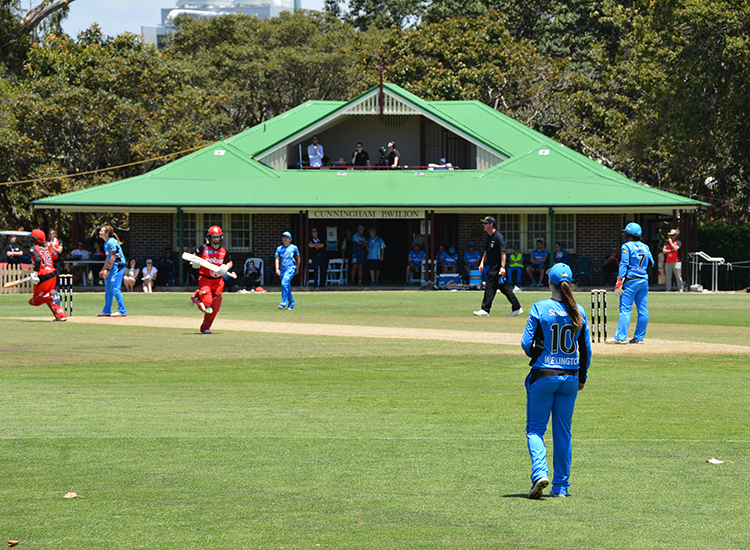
(287, 264)
(632, 285)
(44, 276)
(556, 338)
(211, 283)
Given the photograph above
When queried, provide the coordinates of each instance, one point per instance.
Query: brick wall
(267, 230)
(150, 234)
(596, 234)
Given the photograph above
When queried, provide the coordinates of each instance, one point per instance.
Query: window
(237, 228)
(536, 228)
(510, 227)
(241, 232)
(565, 231)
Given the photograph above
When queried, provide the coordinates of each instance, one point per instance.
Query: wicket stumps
(65, 282)
(598, 313)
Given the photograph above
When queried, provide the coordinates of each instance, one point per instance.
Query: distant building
(262, 9)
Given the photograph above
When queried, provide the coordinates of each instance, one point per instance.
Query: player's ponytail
(570, 305)
(111, 232)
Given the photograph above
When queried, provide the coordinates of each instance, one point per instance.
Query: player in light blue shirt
(112, 272)
(416, 258)
(632, 285)
(450, 261)
(287, 264)
(471, 260)
(375, 255)
(556, 339)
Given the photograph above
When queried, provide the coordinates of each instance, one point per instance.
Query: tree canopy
(655, 90)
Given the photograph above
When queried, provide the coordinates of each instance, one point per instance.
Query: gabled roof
(539, 173)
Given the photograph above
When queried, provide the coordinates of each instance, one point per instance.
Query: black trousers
(319, 267)
(493, 285)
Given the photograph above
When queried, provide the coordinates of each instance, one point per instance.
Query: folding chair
(336, 274)
(583, 267)
(417, 276)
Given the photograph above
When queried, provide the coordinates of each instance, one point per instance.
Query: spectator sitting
(166, 268)
(26, 256)
(516, 267)
(561, 255)
(360, 157)
(79, 271)
(416, 259)
(439, 267)
(442, 165)
(98, 254)
(471, 260)
(610, 266)
(538, 265)
(251, 277)
(190, 277)
(450, 261)
(149, 276)
(131, 275)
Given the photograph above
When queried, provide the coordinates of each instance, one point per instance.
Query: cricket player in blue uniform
(287, 264)
(112, 272)
(632, 285)
(556, 339)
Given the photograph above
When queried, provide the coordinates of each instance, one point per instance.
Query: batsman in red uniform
(211, 283)
(44, 277)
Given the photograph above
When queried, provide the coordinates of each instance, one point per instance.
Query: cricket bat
(16, 283)
(205, 263)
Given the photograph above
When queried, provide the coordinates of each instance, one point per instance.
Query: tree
(384, 14)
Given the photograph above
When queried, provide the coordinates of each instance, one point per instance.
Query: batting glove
(195, 264)
(222, 270)
(34, 278)
(618, 287)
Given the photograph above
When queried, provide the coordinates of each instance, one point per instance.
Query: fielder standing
(44, 277)
(556, 339)
(632, 285)
(112, 272)
(208, 297)
(287, 264)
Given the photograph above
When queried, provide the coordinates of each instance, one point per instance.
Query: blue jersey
(551, 342)
(635, 260)
(472, 260)
(287, 255)
(376, 246)
(450, 259)
(417, 257)
(538, 257)
(112, 246)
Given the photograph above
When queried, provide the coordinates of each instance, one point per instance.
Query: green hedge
(731, 242)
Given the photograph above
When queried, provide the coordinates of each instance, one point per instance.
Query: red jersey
(55, 243)
(673, 256)
(216, 257)
(42, 260)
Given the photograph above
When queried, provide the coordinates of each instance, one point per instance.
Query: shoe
(291, 308)
(209, 310)
(118, 314)
(61, 318)
(517, 289)
(282, 306)
(556, 495)
(538, 487)
(634, 341)
(102, 314)
(207, 331)
(481, 313)
(681, 290)
(615, 341)
(515, 313)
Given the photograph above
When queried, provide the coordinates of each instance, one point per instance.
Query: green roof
(539, 173)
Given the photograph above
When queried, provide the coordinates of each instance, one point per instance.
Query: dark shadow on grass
(519, 495)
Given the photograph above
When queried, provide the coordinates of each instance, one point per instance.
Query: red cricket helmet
(39, 235)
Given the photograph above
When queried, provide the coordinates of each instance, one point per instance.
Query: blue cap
(443, 160)
(373, 229)
(471, 244)
(286, 234)
(452, 250)
(416, 244)
(360, 227)
(559, 273)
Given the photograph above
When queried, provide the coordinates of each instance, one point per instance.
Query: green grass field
(260, 440)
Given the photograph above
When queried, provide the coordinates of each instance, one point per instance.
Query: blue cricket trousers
(635, 292)
(113, 289)
(287, 300)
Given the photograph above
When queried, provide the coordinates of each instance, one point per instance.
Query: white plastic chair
(259, 266)
(336, 273)
(417, 276)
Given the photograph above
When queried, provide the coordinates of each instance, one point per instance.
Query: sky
(116, 17)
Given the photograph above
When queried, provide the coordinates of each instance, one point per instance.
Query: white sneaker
(515, 313)
(557, 495)
(517, 289)
(538, 487)
(481, 313)
(615, 341)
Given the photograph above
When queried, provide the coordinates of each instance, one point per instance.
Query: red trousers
(44, 293)
(210, 293)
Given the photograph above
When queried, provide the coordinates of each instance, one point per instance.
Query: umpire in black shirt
(494, 257)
